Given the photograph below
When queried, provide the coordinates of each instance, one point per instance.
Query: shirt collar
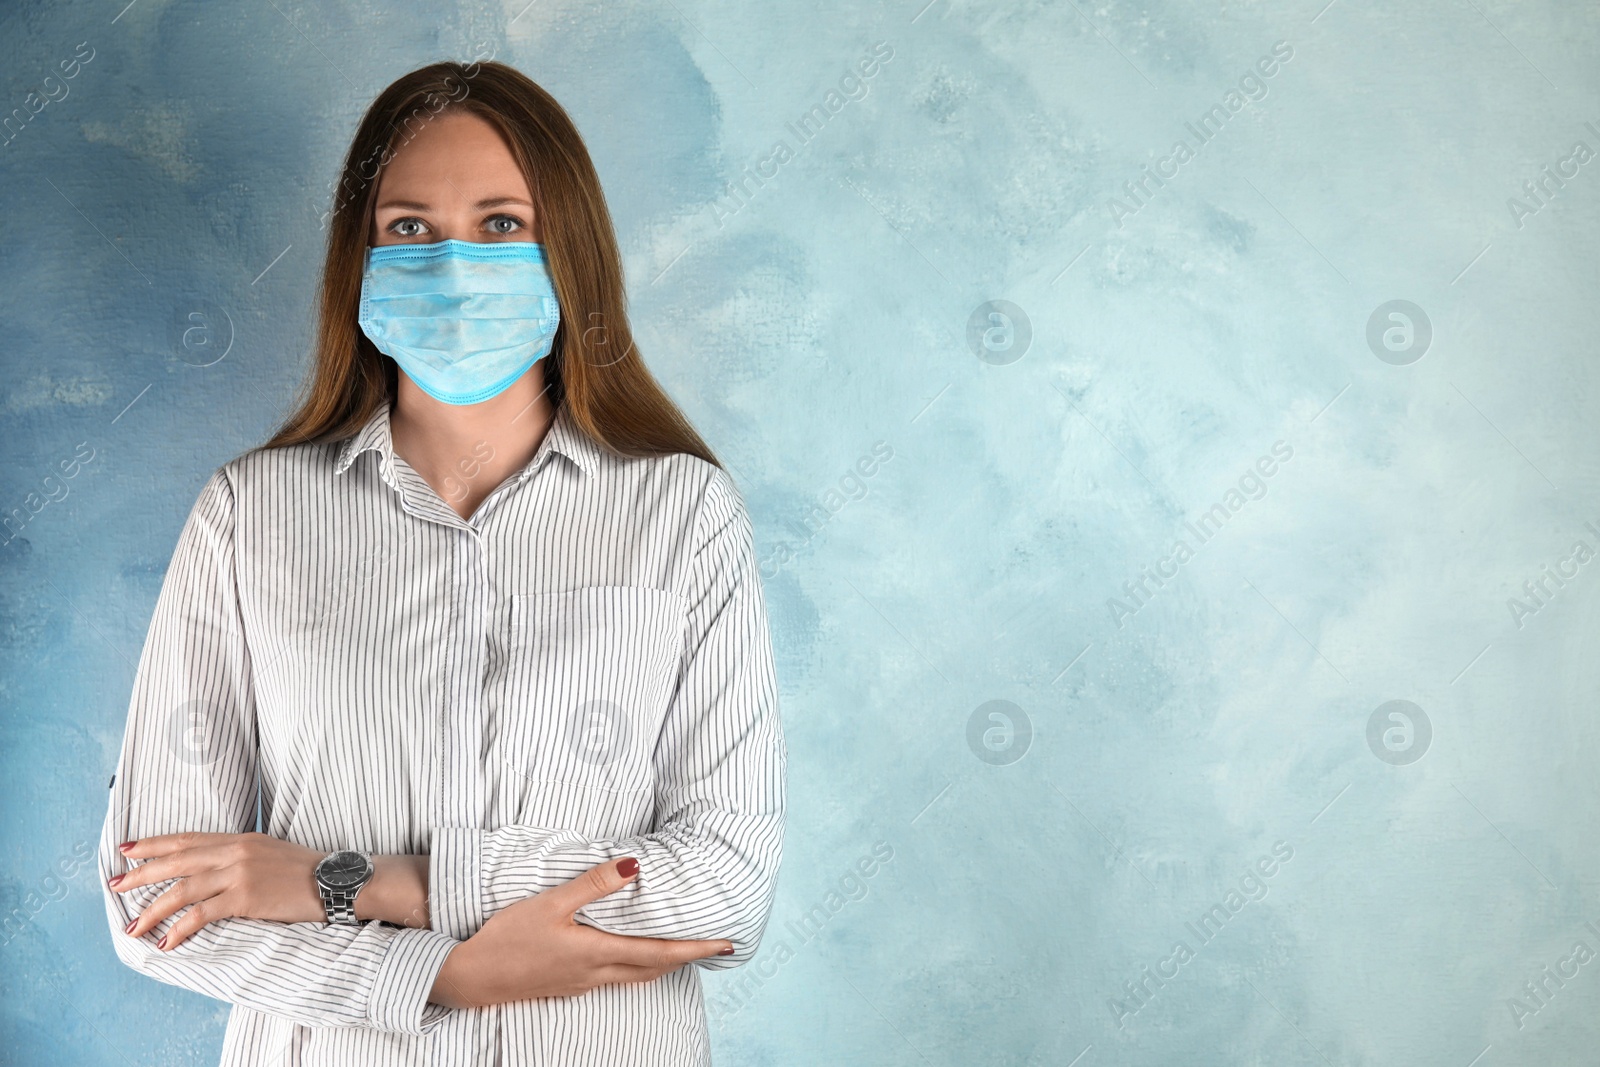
(564, 437)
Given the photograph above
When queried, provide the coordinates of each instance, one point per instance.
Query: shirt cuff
(405, 981)
(455, 881)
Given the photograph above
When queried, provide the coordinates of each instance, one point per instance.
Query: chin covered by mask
(463, 320)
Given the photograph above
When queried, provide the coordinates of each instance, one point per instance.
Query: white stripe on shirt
(580, 672)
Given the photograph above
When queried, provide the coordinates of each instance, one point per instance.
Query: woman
(482, 625)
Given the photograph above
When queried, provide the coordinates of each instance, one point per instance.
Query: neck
(465, 450)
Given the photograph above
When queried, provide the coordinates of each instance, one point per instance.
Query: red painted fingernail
(131, 924)
(628, 867)
(726, 952)
(126, 845)
(117, 879)
(163, 942)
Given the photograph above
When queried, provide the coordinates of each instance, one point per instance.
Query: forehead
(452, 148)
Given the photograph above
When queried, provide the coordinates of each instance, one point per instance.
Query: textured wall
(1030, 405)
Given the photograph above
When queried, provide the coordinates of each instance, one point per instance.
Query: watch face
(343, 869)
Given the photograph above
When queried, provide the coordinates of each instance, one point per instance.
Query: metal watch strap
(341, 906)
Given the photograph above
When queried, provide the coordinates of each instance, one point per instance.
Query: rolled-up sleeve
(189, 763)
(708, 868)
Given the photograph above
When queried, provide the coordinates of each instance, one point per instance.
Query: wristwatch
(340, 876)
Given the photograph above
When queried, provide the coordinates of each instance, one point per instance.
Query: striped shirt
(580, 671)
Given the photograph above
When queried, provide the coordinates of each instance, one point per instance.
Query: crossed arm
(253, 932)
(533, 947)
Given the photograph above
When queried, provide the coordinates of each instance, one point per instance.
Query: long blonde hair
(613, 398)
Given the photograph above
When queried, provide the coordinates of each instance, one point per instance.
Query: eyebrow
(481, 205)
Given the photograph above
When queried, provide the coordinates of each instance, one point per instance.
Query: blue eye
(397, 225)
(494, 221)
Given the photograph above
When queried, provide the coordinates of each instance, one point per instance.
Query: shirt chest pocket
(589, 675)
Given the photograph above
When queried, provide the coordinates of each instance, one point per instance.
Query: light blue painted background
(197, 147)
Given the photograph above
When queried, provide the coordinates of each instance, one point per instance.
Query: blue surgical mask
(463, 320)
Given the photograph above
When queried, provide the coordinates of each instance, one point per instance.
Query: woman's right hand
(537, 948)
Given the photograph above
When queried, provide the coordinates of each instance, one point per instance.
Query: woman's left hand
(252, 875)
